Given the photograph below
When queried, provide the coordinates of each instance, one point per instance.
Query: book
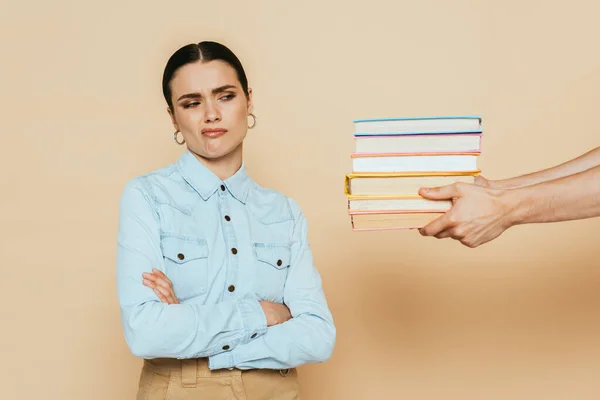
(418, 143)
(407, 203)
(361, 184)
(413, 125)
(414, 162)
(368, 221)
(394, 157)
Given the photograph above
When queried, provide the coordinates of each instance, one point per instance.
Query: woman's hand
(275, 313)
(162, 286)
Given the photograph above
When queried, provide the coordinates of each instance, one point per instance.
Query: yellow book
(392, 185)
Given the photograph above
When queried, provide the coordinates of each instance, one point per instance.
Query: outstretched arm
(481, 214)
(582, 163)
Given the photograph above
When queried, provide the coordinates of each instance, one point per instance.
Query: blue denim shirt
(225, 245)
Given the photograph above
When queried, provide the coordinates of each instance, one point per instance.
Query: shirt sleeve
(154, 329)
(309, 336)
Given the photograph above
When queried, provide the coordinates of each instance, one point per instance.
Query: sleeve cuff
(221, 361)
(254, 319)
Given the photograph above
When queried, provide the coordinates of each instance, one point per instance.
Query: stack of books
(394, 157)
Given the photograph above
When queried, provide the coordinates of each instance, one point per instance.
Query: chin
(216, 153)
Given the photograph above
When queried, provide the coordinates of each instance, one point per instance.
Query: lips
(213, 132)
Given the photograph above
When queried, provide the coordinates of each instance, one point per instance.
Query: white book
(399, 204)
(366, 221)
(415, 163)
(441, 124)
(418, 143)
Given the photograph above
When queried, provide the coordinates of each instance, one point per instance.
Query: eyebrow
(214, 91)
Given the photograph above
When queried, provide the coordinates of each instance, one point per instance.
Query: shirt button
(227, 218)
(279, 262)
(226, 347)
(234, 250)
(253, 336)
(231, 288)
(180, 256)
(223, 187)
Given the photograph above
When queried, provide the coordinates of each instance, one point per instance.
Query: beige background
(82, 112)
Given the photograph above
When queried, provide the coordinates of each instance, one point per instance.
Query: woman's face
(210, 108)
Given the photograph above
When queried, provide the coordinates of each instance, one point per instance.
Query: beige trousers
(172, 379)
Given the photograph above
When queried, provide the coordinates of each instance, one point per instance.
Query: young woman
(215, 276)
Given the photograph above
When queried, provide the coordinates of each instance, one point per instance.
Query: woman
(216, 282)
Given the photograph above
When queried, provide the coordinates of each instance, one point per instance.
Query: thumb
(439, 193)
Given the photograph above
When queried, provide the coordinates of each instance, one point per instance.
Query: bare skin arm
(480, 214)
(582, 163)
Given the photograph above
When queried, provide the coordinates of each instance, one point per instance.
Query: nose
(211, 112)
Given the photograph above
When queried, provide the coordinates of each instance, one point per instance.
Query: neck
(223, 167)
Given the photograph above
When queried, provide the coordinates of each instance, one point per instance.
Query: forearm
(582, 163)
(306, 338)
(309, 336)
(568, 198)
(155, 329)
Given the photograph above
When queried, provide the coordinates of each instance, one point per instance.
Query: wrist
(516, 206)
(503, 184)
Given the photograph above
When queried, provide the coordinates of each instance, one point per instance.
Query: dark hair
(203, 51)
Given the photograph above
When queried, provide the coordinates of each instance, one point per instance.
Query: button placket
(230, 242)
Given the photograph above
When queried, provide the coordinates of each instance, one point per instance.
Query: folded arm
(306, 338)
(155, 329)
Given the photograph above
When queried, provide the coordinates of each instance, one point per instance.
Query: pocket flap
(274, 254)
(181, 250)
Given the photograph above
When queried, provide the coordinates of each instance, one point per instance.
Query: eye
(227, 97)
(192, 104)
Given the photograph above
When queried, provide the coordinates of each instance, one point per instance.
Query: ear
(173, 120)
(250, 102)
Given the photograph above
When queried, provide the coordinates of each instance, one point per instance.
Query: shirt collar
(206, 183)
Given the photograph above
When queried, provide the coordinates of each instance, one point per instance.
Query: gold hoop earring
(175, 138)
(253, 121)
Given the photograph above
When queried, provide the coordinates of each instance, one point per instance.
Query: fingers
(149, 282)
(161, 285)
(164, 291)
(268, 311)
(441, 192)
(275, 313)
(436, 226)
(161, 296)
(166, 295)
(158, 278)
(444, 234)
(162, 275)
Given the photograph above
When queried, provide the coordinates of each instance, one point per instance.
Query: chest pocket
(186, 264)
(272, 265)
